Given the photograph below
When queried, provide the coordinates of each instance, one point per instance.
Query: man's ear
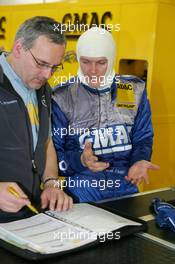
(17, 48)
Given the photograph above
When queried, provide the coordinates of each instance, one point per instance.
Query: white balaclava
(97, 42)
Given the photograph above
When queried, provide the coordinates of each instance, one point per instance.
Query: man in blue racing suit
(102, 126)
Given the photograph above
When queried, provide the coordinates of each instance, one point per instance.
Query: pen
(15, 193)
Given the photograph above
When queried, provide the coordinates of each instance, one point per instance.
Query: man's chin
(94, 85)
(37, 85)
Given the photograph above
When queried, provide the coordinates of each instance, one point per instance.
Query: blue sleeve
(142, 132)
(69, 160)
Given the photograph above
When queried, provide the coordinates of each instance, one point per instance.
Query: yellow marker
(15, 193)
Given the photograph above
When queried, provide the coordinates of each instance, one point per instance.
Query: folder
(54, 233)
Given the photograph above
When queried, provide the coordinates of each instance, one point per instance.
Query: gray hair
(38, 26)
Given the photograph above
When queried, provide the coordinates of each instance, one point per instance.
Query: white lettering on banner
(101, 137)
(121, 135)
(63, 165)
(113, 149)
(84, 138)
(110, 139)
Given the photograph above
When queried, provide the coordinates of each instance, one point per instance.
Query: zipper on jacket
(31, 149)
(34, 168)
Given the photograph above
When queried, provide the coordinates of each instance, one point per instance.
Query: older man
(27, 154)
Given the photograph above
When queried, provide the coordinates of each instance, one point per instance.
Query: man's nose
(93, 68)
(47, 73)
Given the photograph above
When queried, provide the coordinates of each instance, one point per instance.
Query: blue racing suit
(116, 120)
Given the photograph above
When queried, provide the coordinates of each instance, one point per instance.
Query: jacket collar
(111, 89)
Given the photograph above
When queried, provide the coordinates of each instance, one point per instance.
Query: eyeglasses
(43, 66)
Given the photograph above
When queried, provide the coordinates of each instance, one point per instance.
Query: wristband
(55, 179)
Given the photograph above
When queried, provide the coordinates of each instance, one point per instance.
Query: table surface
(132, 249)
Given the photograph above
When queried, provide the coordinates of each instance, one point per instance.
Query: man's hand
(89, 160)
(10, 203)
(55, 199)
(139, 171)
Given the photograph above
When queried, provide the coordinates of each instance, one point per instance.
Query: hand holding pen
(13, 191)
(10, 202)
